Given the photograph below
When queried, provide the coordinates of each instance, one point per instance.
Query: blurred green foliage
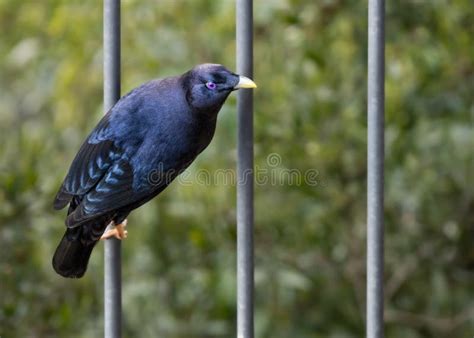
(310, 108)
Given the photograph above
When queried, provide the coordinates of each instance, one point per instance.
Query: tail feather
(73, 252)
(72, 256)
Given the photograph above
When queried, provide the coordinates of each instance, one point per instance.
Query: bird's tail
(74, 250)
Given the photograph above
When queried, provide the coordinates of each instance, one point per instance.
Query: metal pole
(112, 256)
(245, 217)
(375, 169)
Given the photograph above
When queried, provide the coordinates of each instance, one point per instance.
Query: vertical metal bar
(112, 257)
(245, 214)
(375, 168)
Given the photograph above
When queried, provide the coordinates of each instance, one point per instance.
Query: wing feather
(113, 191)
(91, 162)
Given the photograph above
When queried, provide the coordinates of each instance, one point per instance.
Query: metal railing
(245, 209)
(245, 262)
(375, 168)
(112, 256)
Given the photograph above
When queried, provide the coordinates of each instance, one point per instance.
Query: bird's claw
(118, 231)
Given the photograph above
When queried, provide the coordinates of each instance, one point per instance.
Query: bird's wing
(100, 180)
(91, 163)
(113, 191)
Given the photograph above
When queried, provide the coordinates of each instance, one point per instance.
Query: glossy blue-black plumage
(150, 136)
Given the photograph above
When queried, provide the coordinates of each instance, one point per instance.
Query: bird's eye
(211, 85)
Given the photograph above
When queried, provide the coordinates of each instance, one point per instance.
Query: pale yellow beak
(245, 82)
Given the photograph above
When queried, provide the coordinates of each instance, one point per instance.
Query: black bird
(147, 139)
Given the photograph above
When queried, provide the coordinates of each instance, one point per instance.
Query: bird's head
(207, 86)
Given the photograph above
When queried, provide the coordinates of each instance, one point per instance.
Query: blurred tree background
(310, 109)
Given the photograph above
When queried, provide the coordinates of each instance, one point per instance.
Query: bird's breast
(169, 151)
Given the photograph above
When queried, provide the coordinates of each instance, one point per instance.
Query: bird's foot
(118, 231)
